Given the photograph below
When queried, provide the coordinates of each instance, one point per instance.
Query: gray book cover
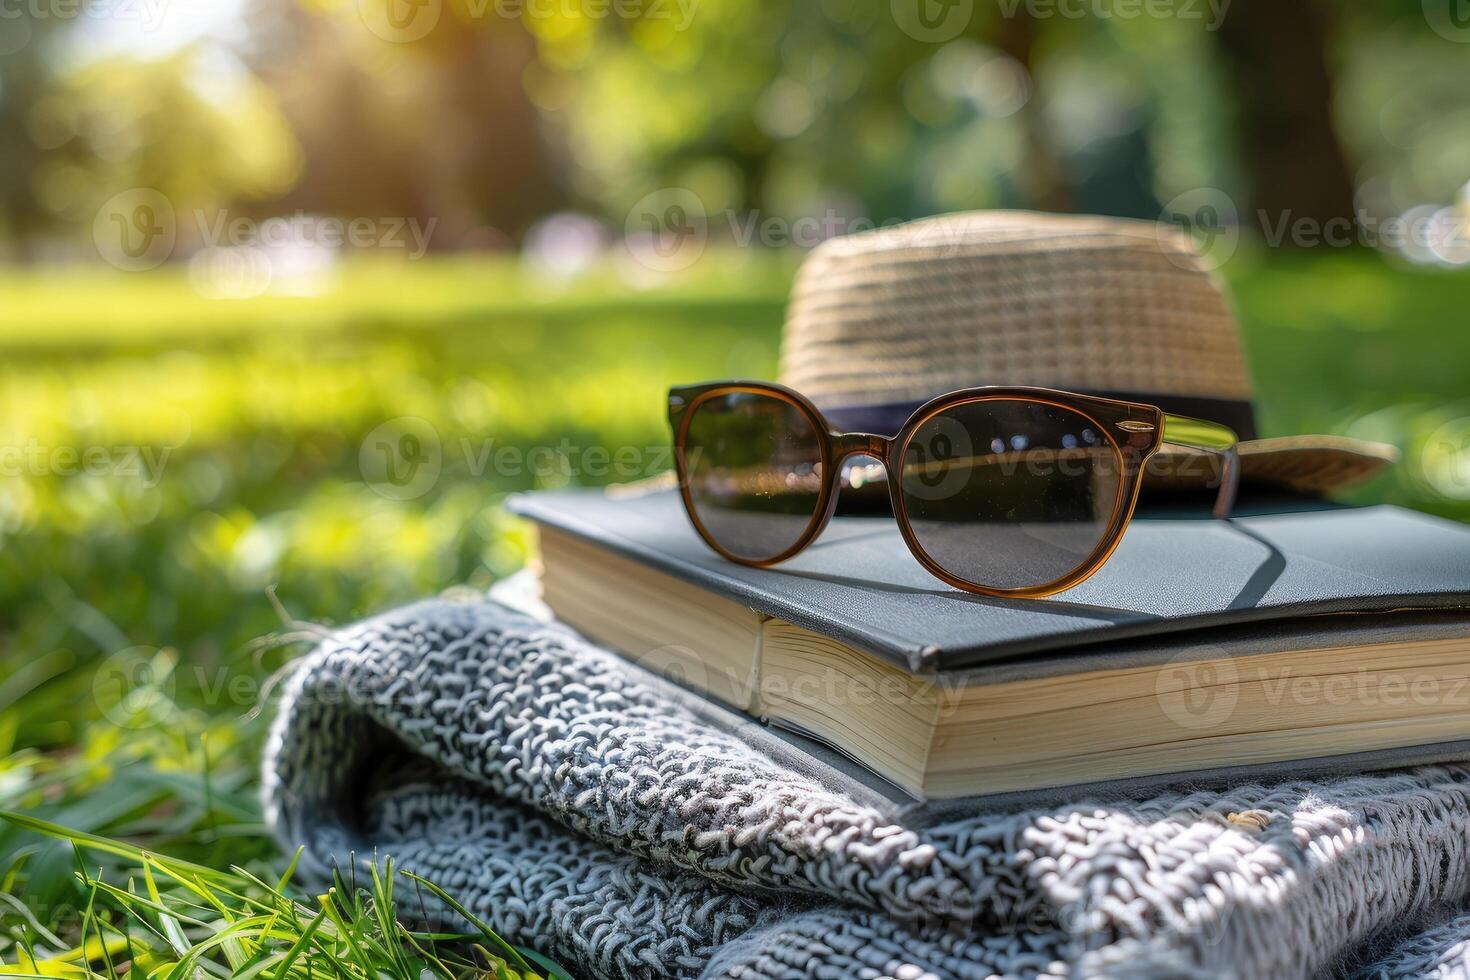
(1175, 572)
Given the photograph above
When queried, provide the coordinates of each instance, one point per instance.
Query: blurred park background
(295, 291)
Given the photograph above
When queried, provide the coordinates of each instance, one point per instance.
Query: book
(1292, 632)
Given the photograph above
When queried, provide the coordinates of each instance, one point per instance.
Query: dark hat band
(888, 418)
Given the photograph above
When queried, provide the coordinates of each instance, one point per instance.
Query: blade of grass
(79, 838)
(290, 871)
(128, 900)
(386, 914)
(510, 953)
(87, 914)
(298, 947)
(127, 905)
(172, 931)
(552, 970)
(439, 967)
(25, 913)
(347, 935)
(195, 954)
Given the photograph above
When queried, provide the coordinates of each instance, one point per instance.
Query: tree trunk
(1276, 54)
(1044, 180)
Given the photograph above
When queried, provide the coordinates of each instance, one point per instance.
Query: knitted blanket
(586, 809)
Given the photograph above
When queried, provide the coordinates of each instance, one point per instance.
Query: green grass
(143, 613)
(174, 919)
(1342, 343)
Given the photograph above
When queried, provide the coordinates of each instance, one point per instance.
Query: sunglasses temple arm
(1209, 437)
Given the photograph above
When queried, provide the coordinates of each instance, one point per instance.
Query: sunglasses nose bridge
(862, 444)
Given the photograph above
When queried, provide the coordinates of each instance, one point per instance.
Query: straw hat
(883, 320)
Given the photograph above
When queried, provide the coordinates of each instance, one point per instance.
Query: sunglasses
(1015, 492)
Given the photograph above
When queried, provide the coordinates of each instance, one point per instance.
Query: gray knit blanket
(584, 808)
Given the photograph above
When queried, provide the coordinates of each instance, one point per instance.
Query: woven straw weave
(1080, 303)
(1005, 297)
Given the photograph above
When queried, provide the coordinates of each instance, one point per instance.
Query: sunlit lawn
(143, 604)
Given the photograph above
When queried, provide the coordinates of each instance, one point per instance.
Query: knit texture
(583, 808)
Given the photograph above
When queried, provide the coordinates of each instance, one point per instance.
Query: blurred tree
(506, 110)
(437, 128)
(26, 58)
(795, 108)
(1401, 106)
(194, 125)
(1017, 38)
(1277, 57)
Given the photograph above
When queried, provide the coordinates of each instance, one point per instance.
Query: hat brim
(1306, 464)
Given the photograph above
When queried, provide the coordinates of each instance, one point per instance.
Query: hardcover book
(1293, 632)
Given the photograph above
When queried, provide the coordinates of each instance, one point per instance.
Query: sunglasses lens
(1010, 494)
(753, 464)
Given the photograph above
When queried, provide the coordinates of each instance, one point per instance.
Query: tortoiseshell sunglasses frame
(1134, 430)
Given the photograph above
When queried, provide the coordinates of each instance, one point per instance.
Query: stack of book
(1298, 637)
